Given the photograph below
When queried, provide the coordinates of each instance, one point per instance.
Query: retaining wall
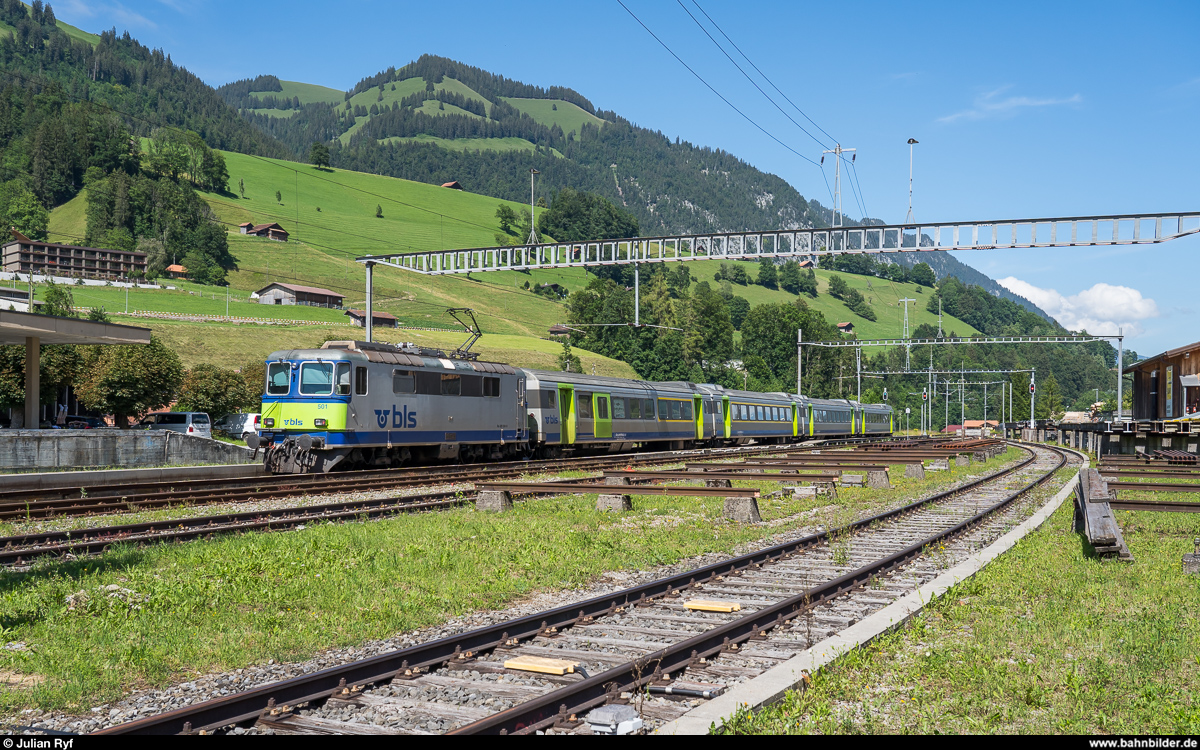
(69, 449)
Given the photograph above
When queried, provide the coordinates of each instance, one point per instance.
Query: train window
(772, 413)
(549, 399)
(647, 408)
(635, 408)
(675, 409)
(403, 381)
(585, 406)
(316, 378)
(664, 409)
(451, 385)
(472, 385)
(428, 383)
(278, 378)
(491, 387)
(343, 379)
(618, 408)
(760, 413)
(601, 407)
(360, 381)
(717, 408)
(685, 410)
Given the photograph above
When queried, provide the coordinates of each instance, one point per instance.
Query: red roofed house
(294, 294)
(271, 231)
(846, 327)
(453, 185)
(176, 271)
(378, 319)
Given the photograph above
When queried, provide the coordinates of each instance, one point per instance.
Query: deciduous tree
(215, 391)
(127, 381)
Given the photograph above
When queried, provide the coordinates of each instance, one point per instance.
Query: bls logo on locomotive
(401, 418)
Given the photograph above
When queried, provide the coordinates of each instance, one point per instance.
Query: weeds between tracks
(1047, 638)
(240, 600)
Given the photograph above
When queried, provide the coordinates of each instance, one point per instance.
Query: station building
(1167, 386)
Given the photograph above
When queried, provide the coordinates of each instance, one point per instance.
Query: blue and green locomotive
(352, 404)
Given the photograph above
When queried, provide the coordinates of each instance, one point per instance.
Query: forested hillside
(670, 186)
(144, 86)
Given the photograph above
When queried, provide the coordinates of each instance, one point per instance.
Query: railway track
(25, 505)
(22, 549)
(649, 645)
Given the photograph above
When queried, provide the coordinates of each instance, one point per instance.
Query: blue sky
(1022, 109)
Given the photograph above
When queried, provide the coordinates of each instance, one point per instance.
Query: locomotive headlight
(320, 422)
(268, 422)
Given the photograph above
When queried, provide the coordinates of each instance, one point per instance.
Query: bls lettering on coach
(401, 418)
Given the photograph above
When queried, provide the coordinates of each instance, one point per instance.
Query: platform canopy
(34, 330)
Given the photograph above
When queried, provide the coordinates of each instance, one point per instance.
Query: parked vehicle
(188, 422)
(238, 425)
(75, 422)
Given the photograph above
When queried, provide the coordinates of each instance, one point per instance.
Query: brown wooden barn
(1167, 386)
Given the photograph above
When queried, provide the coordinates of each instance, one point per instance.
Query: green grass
(228, 345)
(232, 602)
(308, 93)
(568, 116)
(471, 144)
(884, 296)
(68, 222)
(1046, 639)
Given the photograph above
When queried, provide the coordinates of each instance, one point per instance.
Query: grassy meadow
(1046, 639)
(232, 602)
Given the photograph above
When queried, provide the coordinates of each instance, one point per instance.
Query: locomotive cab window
(316, 378)
(403, 381)
(343, 379)
(491, 387)
(360, 381)
(278, 378)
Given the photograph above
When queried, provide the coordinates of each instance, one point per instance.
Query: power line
(710, 87)
(764, 75)
(744, 73)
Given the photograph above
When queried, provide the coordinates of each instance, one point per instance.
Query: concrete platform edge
(770, 686)
(94, 478)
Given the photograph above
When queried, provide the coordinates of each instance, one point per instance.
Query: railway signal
(885, 394)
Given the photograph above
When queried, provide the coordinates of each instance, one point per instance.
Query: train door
(602, 426)
(728, 416)
(812, 421)
(566, 414)
(521, 405)
(795, 420)
(698, 415)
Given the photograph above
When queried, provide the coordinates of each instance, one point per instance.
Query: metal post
(984, 406)
(637, 298)
(127, 304)
(532, 216)
(909, 219)
(369, 299)
(799, 360)
(1120, 374)
(858, 362)
(1032, 422)
(33, 357)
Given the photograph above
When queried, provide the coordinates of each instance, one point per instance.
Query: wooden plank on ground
(541, 664)
(707, 605)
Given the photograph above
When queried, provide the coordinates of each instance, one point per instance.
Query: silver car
(188, 422)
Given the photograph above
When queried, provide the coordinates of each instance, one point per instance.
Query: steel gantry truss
(1072, 231)
(858, 344)
(931, 387)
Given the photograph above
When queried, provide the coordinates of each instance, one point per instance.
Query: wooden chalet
(271, 231)
(453, 185)
(294, 294)
(1167, 386)
(378, 319)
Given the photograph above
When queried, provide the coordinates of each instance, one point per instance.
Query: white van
(188, 422)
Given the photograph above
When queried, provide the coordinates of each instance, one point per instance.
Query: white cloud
(990, 105)
(1102, 309)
